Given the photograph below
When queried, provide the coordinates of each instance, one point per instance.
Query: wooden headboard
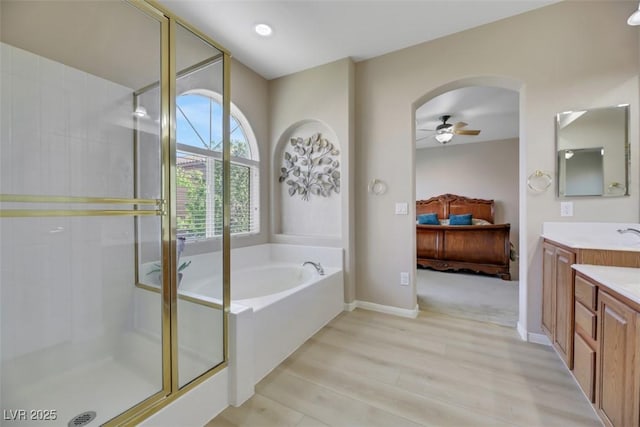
(450, 204)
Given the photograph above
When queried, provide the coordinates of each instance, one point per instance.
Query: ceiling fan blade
(429, 130)
(466, 132)
(460, 125)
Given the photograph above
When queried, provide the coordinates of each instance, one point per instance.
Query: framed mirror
(592, 149)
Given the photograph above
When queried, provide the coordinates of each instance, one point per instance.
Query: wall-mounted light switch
(566, 208)
(404, 278)
(402, 208)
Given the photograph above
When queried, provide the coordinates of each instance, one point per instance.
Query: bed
(482, 248)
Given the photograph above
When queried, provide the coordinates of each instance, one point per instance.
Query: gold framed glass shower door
(78, 340)
(88, 212)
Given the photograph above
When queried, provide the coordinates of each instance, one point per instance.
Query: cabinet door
(584, 366)
(617, 398)
(548, 275)
(563, 327)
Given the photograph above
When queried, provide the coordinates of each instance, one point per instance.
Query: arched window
(199, 168)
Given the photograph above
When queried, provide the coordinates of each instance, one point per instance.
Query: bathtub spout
(317, 265)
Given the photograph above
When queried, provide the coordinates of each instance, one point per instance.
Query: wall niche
(307, 168)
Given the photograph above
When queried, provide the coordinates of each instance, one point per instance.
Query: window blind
(199, 196)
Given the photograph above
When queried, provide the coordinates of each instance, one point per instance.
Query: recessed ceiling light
(140, 111)
(263, 30)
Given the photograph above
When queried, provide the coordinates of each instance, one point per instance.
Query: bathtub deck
(367, 368)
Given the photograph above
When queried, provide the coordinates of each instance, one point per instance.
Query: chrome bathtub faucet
(629, 230)
(317, 265)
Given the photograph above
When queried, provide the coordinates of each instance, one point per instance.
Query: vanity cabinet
(558, 301)
(618, 368)
(607, 351)
(557, 298)
(591, 313)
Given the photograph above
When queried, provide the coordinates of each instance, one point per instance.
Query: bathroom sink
(593, 235)
(629, 238)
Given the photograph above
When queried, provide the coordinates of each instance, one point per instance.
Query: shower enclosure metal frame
(165, 207)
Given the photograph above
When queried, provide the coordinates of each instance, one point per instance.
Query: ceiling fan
(444, 132)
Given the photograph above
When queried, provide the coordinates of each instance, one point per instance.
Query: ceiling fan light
(444, 137)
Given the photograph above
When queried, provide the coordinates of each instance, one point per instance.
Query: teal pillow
(464, 219)
(428, 219)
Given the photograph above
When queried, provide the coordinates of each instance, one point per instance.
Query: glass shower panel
(78, 338)
(199, 142)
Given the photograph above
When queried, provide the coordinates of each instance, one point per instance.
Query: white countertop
(623, 280)
(592, 235)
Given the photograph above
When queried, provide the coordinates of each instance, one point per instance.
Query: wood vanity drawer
(584, 366)
(585, 292)
(585, 320)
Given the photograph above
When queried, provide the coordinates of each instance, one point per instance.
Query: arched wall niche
(318, 217)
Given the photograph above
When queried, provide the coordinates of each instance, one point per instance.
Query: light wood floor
(370, 369)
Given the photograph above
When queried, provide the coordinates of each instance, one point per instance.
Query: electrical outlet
(566, 208)
(404, 278)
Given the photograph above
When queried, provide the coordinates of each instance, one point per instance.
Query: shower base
(107, 387)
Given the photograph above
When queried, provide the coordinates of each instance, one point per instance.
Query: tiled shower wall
(66, 283)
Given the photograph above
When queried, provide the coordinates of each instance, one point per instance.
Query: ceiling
(494, 111)
(308, 33)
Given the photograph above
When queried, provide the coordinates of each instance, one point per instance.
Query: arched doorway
(451, 155)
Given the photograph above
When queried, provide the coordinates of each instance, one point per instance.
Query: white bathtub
(276, 304)
(268, 279)
(255, 286)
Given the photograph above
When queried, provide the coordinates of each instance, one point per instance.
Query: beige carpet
(470, 296)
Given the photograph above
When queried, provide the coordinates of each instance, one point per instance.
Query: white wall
(565, 56)
(486, 170)
(323, 95)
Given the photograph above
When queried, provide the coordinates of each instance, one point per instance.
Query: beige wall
(323, 94)
(566, 56)
(250, 93)
(486, 170)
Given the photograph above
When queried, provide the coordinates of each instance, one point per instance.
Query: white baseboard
(388, 309)
(531, 336)
(538, 339)
(522, 331)
(350, 306)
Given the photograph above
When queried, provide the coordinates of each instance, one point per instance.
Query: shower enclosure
(93, 326)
